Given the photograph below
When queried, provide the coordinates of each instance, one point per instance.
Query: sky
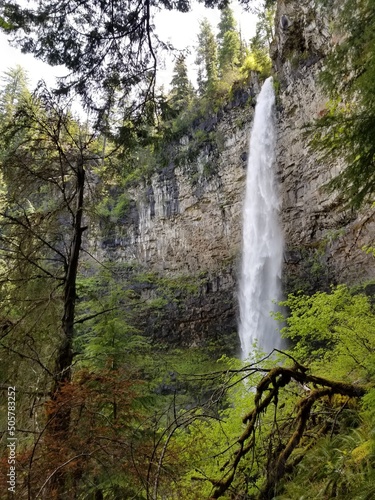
(179, 28)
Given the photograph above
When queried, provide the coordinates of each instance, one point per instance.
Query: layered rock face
(315, 225)
(187, 219)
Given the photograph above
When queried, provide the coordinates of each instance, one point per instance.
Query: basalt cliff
(186, 219)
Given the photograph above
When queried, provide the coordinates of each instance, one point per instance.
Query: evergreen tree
(265, 30)
(207, 60)
(14, 89)
(48, 315)
(229, 41)
(257, 54)
(244, 49)
(44, 159)
(181, 88)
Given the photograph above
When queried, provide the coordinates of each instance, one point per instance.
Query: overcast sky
(179, 28)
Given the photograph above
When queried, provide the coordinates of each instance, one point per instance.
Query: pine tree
(181, 88)
(14, 89)
(229, 42)
(207, 60)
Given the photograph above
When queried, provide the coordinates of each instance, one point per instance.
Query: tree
(63, 340)
(265, 27)
(182, 90)
(45, 156)
(207, 60)
(249, 449)
(283, 444)
(14, 90)
(229, 41)
(102, 45)
(257, 58)
(303, 401)
(346, 130)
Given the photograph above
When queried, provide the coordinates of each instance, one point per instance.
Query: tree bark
(60, 415)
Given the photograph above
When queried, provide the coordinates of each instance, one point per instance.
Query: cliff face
(316, 228)
(186, 220)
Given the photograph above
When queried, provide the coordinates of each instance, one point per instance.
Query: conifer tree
(257, 54)
(44, 159)
(207, 60)
(46, 162)
(181, 88)
(13, 90)
(229, 41)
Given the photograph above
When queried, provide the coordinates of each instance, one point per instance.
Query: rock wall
(186, 219)
(314, 222)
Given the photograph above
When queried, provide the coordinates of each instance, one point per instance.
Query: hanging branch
(266, 393)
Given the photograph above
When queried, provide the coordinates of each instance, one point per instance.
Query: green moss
(276, 85)
(209, 169)
(169, 286)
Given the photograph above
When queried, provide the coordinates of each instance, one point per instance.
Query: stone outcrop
(314, 222)
(186, 219)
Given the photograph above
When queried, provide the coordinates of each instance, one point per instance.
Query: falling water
(262, 239)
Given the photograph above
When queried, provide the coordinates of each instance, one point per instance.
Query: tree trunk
(58, 427)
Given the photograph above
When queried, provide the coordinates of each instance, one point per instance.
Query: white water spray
(262, 238)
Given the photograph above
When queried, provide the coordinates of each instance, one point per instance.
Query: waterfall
(262, 239)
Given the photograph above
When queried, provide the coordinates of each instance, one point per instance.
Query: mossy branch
(267, 392)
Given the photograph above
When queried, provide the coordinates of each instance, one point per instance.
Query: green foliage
(333, 333)
(13, 92)
(223, 68)
(209, 438)
(114, 209)
(335, 329)
(182, 90)
(229, 42)
(257, 60)
(105, 332)
(92, 40)
(170, 289)
(338, 467)
(314, 271)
